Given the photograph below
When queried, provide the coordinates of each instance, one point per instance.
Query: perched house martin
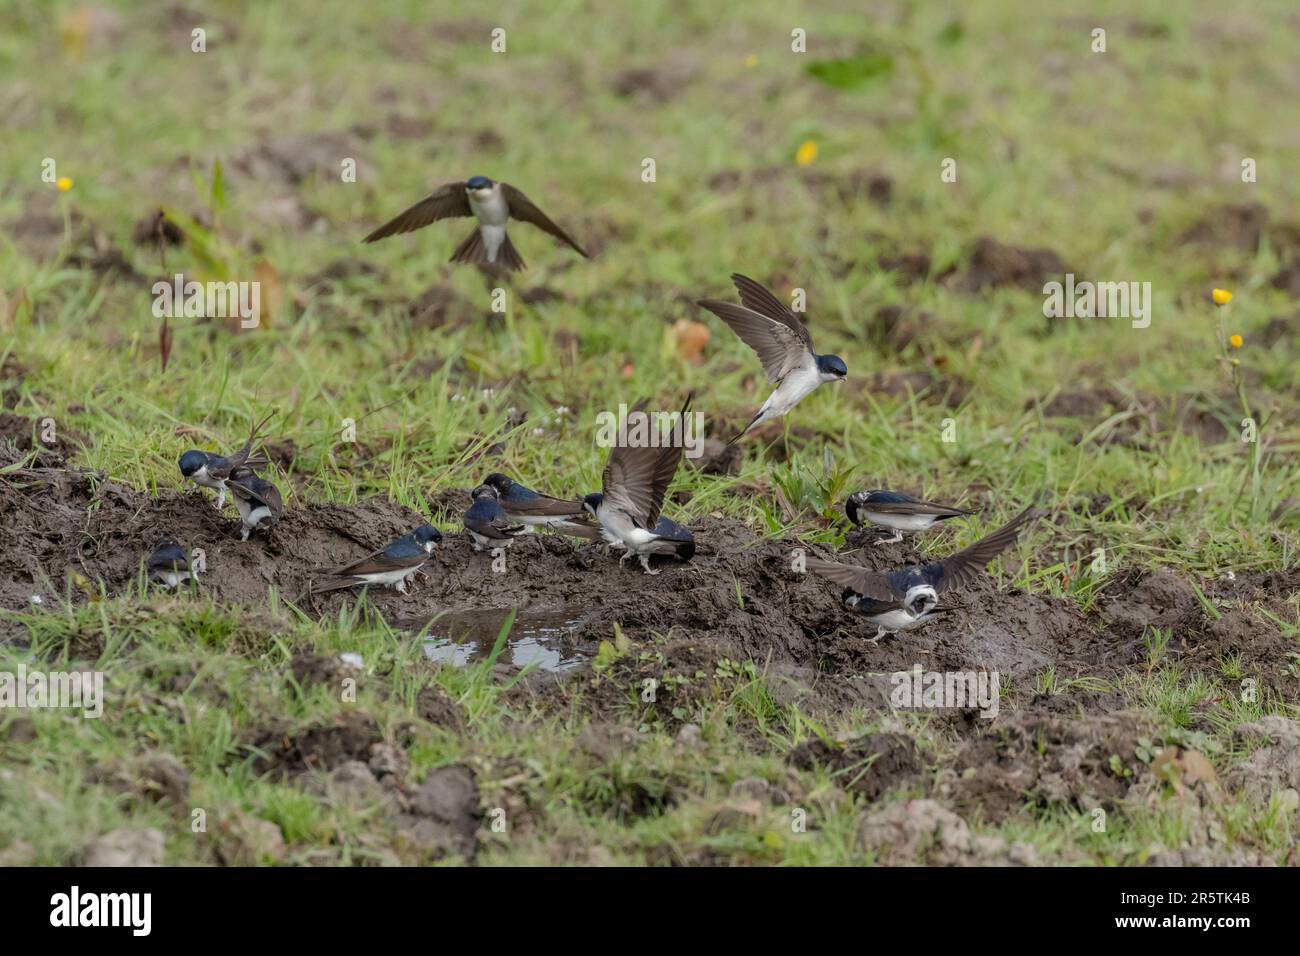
(213, 471)
(532, 509)
(258, 501)
(389, 567)
(628, 506)
(902, 599)
(898, 512)
(487, 522)
(169, 565)
(493, 204)
(784, 346)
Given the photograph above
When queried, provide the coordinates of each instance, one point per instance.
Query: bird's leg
(221, 496)
(645, 563)
(627, 553)
(898, 536)
(244, 529)
(880, 632)
(401, 585)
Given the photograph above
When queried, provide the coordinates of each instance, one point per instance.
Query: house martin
(493, 204)
(533, 509)
(387, 567)
(628, 506)
(169, 565)
(487, 522)
(898, 512)
(213, 471)
(258, 501)
(902, 599)
(784, 346)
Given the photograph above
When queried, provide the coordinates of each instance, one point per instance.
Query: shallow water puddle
(538, 637)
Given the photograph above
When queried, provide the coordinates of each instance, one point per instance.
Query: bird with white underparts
(493, 204)
(900, 513)
(905, 598)
(784, 347)
(631, 498)
(210, 470)
(389, 567)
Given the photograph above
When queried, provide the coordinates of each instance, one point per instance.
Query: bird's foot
(898, 536)
(876, 640)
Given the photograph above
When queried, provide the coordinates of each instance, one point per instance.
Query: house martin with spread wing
(493, 204)
(902, 599)
(784, 346)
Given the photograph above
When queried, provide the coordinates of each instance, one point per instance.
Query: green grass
(1056, 148)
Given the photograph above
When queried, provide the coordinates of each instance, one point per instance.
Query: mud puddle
(539, 638)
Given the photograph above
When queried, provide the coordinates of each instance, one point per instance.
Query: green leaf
(853, 72)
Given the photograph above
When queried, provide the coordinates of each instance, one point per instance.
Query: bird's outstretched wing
(779, 347)
(448, 202)
(966, 565)
(868, 583)
(636, 480)
(758, 298)
(525, 210)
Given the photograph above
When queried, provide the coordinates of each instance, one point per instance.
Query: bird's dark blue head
(832, 366)
(192, 461)
(426, 534)
(500, 482)
(478, 182)
(592, 502)
(168, 554)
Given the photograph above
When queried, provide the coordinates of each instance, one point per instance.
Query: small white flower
(36, 599)
(562, 409)
(353, 660)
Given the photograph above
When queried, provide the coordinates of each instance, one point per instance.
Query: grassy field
(1146, 631)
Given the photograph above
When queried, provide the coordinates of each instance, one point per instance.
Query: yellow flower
(751, 61)
(807, 153)
(1221, 296)
(64, 184)
(1235, 341)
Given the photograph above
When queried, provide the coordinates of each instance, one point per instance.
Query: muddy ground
(57, 523)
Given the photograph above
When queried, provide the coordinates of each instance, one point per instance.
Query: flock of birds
(626, 513)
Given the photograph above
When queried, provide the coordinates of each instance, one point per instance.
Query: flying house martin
(530, 508)
(388, 567)
(169, 565)
(493, 204)
(902, 599)
(487, 522)
(213, 471)
(628, 506)
(898, 512)
(258, 501)
(784, 346)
